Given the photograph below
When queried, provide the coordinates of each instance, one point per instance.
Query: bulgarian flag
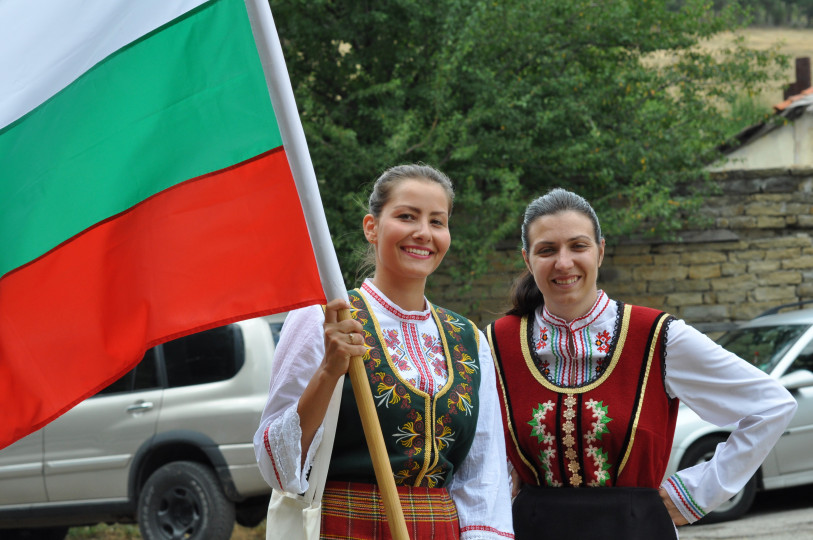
(145, 191)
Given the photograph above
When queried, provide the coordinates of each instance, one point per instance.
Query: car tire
(252, 512)
(738, 505)
(183, 499)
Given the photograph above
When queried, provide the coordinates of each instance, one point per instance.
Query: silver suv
(168, 445)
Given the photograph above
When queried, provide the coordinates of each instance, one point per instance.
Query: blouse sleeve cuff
(282, 440)
(683, 499)
(482, 532)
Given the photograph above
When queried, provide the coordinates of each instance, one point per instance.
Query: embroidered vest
(614, 431)
(426, 436)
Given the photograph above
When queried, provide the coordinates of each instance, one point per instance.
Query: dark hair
(382, 192)
(525, 294)
(382, 189)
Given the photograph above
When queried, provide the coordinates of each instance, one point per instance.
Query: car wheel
(183, 499)
(736, 506)
(252, 512)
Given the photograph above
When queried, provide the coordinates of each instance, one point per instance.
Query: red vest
(615, 431)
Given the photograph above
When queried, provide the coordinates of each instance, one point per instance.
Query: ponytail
(525, 295)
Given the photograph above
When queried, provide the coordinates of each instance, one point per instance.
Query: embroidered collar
(389, 306)
(602, 301)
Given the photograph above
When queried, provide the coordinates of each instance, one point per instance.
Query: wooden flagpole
(296, 149)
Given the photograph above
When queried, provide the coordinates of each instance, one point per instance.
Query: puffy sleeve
(277, 442)
(725, 390)
(480, 486)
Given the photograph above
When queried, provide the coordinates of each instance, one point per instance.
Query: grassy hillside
(793, 42)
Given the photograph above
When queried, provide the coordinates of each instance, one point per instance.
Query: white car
(781, 344)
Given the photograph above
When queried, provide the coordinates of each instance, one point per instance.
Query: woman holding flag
(432, 378)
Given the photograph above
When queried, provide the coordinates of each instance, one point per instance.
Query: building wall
(756, 253)
(789, 145)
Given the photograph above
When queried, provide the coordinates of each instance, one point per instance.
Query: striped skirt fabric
(355, 510)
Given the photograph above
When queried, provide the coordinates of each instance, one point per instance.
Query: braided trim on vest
(509, 425)
(653, 341)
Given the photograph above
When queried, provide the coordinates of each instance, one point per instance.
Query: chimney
(802, 78)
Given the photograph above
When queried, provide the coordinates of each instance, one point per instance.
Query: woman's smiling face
(411, 234)
(564, 257)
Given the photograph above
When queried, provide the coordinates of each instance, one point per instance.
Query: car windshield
(762, 346)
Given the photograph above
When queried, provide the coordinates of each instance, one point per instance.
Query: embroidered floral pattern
(453, 323)
(435, 476)
(568, 427)
(602, 465)
(594, 418)
(547, 440)
(466, 364)
(389, 391)
(603, 341)
(543, 339)
(420, 360)
(410, 470)
(597, 429)
(569, 357)
(460, 399)
(537, 423)
(422, 370)
(599, 412)
(444, 435)
(410, 434)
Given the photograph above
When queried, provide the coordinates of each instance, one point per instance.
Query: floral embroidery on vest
(443, 433)
(599, 456)
(389, 392)
(425, 443)
(409, 435)
(540, 426)
(546, 440)
(568, 427)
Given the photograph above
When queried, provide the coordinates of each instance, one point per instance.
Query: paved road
(785, 514)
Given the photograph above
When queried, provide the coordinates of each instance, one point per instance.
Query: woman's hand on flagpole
(343, 339)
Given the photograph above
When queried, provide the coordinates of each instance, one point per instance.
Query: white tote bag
(291, 517)
(299, 517)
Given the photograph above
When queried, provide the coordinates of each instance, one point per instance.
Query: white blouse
(479, 488)
(716, 384)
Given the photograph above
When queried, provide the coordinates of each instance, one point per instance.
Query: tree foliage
(614, 99)
(793, 13)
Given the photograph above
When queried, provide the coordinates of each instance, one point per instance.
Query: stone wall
(756, 253)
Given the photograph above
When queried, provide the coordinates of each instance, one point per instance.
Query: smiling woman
(410, 237)
(430, 371)
(590, 390)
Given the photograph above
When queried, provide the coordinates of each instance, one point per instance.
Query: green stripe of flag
(151, 115)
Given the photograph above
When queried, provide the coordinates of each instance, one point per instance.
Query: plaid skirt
(355, 510)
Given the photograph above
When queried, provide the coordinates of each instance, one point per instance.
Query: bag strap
(321, 462)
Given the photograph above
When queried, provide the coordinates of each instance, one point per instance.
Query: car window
(276, 328)
(141, 377)
(762, 346)
(804, 360)
(209, 356)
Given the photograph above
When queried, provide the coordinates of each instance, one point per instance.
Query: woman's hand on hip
(674, 513)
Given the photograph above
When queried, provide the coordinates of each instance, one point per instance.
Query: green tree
(614, 99)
